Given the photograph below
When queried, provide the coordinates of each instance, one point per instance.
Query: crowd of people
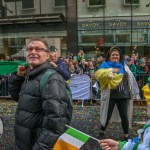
(41, 116)
(139, 66)
(121, 78)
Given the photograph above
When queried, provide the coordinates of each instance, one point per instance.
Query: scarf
(110, 64)
(106, 77)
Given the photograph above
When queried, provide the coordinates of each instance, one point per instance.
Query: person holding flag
(118, 85)
(137, 143)
(72, 139)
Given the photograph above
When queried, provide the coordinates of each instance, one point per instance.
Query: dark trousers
(122, 107)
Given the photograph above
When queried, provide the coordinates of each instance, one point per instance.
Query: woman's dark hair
(112, 49)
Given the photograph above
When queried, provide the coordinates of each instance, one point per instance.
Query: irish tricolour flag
(72, 139)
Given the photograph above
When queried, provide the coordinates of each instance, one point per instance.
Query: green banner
(8, 67)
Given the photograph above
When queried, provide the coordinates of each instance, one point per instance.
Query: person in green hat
(141, 69)
(131, 65)
(141, 77)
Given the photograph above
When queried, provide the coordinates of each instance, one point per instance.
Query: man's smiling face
(37, 53)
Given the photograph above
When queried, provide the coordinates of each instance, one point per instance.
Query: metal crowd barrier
(4, 80)
(142, 79)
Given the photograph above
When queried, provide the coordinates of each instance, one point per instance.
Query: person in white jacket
(142, 142)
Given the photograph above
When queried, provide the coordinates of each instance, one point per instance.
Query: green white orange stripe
(72, 139)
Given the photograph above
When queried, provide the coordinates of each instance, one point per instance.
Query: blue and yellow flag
(105, 76)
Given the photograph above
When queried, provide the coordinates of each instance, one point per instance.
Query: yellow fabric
(146, 92)
(103, 76)
(68, 81)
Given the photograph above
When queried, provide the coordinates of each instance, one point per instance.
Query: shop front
(96, 36)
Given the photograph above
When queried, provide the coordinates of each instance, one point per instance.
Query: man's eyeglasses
(37, 49)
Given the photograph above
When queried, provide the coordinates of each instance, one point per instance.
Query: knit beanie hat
(141, 61)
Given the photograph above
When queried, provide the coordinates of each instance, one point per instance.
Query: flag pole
(82, 132)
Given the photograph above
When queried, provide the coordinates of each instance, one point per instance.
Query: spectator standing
(82, 66)
(94, 62)
(131, 66)
(118, 85)
(134, 58)
(126, 56)
(73, 67)
(59, 65)
(141, 67)
(70, 56)
(40, 116)
(99, 61)
(141, 77)
(90, 70)
(148, 65)
(80, 55)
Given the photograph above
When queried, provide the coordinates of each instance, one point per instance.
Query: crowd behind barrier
(6, 68)
(139, 66)
(4, 80)
(82, 87)
(141, 81)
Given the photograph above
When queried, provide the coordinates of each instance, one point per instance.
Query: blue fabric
(63, 69)
(110, 64)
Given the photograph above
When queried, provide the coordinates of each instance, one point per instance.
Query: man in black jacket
(40, 117)
(59, 65)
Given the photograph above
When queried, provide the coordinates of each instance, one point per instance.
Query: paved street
(85, 119)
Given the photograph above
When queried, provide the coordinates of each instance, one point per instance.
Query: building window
(11, 0)
(96, 3)
(27, 4)
(123, 38)
(59, 3)
(134, 2)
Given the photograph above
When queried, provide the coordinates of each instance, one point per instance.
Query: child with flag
(72, 139)
(142, 142)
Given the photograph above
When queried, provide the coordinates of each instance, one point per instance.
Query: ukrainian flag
(106, 77)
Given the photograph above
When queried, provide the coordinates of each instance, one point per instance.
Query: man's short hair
(41, 40)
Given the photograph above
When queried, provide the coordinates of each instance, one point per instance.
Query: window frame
(26, 8)
(133, 2)
(102, 3)
(54, 4)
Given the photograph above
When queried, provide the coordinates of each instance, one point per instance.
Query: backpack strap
(45, 78)
(69, 93)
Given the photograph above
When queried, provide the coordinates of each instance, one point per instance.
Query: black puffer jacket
(40, 118)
